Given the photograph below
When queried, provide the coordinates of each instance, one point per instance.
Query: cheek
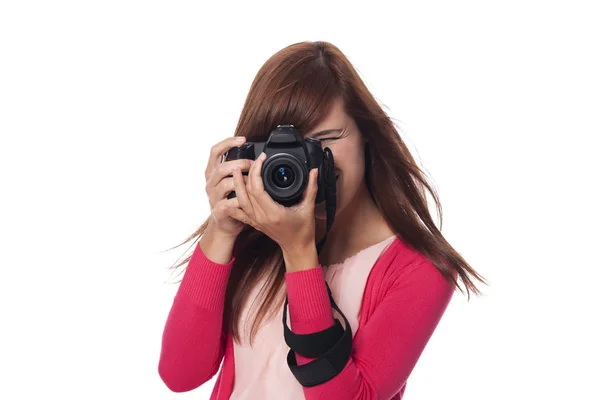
(351, 167)
(347, 157)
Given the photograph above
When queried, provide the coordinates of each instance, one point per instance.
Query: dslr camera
(290, 157)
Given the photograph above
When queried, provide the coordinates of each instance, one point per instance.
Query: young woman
(390, 271)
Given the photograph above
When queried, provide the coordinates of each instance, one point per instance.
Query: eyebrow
(325, 132)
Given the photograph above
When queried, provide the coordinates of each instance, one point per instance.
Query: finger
(254, 174)
(222, 207)
(242, 194)
(240, 215)
(230, 208)
(226, 186)
(264, 206)
(217, 151)
(260, 199)
(225, 170)
(310, 194)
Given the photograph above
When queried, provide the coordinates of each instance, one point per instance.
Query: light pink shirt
(261, 371)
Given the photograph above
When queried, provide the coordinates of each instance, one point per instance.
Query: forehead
(335, 119)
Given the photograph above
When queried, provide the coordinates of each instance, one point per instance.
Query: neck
(357, 226)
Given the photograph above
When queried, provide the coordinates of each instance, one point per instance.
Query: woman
(389, 269)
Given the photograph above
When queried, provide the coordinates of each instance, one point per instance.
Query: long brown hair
(298, 85)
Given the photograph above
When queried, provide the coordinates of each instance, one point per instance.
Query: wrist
(219, 235)
(216, 246)
(300, 258)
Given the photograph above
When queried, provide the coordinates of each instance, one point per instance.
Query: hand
(219, 184)
(292, 228)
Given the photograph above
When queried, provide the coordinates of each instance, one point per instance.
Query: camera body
(290, 157)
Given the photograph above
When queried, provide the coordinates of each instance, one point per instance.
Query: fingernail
(240, 138)
(263, 155)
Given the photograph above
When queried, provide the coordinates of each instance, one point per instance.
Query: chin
(323, 214)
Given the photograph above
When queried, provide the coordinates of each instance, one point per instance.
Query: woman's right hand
(219, 183)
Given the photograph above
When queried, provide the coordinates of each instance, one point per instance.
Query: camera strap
(330, 347)
(330, 192)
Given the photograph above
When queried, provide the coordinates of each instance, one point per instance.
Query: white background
(107, 113)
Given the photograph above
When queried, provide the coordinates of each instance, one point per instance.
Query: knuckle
(215, 148)
(210, 182)
(239, 164)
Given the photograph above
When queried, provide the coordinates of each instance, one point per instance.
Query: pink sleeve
(387, 347)
(194, 338)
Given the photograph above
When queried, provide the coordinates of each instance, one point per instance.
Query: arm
(387, 347)
(194, 337)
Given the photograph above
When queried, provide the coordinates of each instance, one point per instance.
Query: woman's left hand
(292, 228)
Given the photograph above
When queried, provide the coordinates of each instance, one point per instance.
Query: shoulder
(397, 259)
(403, 280)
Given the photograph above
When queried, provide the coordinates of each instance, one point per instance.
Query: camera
(290, 157)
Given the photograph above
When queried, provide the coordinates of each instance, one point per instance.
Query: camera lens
(283, 176)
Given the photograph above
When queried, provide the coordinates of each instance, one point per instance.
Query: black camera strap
(330, 192)
(315, 344)
(330, 347)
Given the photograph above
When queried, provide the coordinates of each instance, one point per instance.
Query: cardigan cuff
(205, 281)
(308, 300)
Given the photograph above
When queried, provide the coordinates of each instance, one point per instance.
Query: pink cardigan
(404, 299)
